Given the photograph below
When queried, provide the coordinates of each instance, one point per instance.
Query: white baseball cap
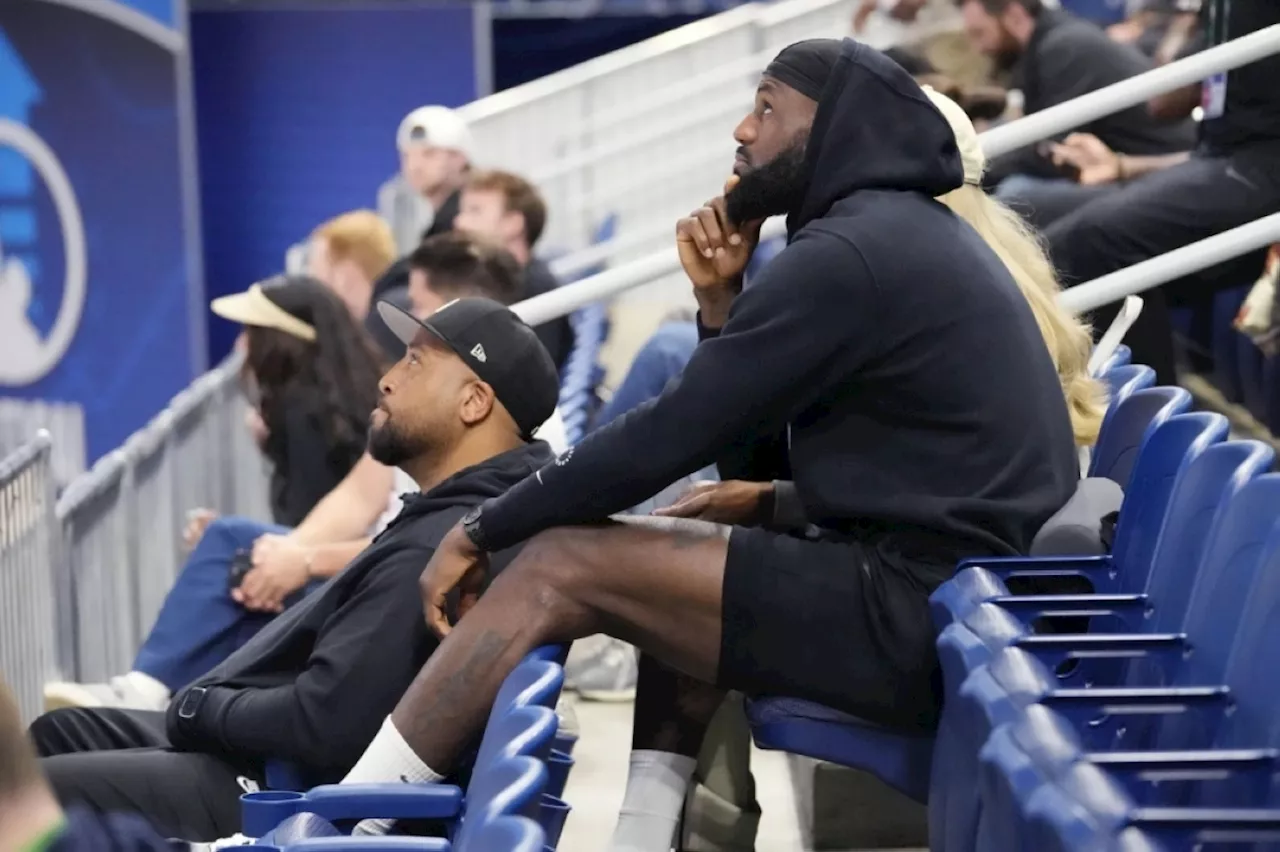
(972, 160)
(435, 127)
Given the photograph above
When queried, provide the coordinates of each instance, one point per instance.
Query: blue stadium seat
(520, 732)
(1251, 365)
(1172, 447)
(501, 805)
(1124, 379)
(1226, 362)
(1120, 358)
(963, 647)
(1085, 809)
(1125, 430)
(901, 760)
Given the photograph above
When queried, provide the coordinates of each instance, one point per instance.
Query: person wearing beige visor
(311, 376)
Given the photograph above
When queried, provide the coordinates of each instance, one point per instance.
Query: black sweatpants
(120, 761)
(1157, 214)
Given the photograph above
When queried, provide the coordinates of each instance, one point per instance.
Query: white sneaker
(568, 717)
(608, 675)
(134, 691)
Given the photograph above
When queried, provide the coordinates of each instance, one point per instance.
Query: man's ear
(478, 401)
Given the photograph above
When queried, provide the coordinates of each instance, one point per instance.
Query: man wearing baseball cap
(435, 149)
(457, 414)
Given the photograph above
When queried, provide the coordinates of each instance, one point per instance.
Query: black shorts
(829, 621)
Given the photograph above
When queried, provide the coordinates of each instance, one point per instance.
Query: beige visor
(254, 307)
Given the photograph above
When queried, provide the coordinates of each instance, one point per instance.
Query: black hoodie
(924, 410)
(314, 686)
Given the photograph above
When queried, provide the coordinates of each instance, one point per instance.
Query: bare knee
(552, 571)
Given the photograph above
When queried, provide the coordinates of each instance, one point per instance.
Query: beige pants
(721, 813)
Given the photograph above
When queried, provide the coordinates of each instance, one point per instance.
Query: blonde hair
(362, 237)
(1070, 341)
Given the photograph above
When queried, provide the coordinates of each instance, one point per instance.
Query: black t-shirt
(557, 334)
(443, 221)
(1250, 104)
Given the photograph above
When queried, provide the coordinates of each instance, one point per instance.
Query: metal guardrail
(120, 523)
(29, 550)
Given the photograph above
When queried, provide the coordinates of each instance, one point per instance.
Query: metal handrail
(1000, 140)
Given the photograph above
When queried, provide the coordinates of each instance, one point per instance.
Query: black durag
(806, 65)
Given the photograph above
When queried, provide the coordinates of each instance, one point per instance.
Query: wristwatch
(471, 526)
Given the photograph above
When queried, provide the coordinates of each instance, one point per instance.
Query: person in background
(1160, 203)
(203, 621)
(1158, 28)
(313, 376)
(349, 254)
(508, 210)
(435, 147)
(313, 687)
(31, 820)
(1054, 57)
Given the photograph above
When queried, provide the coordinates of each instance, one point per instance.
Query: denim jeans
(199, 624)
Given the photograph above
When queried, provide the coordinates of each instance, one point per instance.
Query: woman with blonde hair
(1017, 245)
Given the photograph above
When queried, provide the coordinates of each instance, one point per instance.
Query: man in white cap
(435, 153)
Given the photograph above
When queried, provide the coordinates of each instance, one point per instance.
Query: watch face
(471, 517)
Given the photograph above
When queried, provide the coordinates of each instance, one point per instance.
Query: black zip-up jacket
(925, 411)
(314, 686)
(1066, 58)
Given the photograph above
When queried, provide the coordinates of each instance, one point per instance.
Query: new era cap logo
(477, 352)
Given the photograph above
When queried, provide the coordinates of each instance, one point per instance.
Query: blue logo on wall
(25, 158)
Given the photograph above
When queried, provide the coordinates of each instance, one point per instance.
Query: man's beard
(773, 189)
(389, 446)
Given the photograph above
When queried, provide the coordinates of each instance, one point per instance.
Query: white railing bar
(678, 91)
(1173, 265)
(610, 63)
(1086, 108)
(1135, 90)
(653, 133)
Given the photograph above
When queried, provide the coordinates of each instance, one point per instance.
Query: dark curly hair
(333, 380)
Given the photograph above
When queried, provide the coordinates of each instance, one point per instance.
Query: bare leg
(672, 710)
(653, 582)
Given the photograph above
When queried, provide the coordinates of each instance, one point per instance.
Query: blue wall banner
(99, 266)
(298, 107)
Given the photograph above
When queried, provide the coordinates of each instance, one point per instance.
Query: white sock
(388, 759)
(651, 807)
(153, 690)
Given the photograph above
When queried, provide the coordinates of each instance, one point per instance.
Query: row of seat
(511, 803)
(1142, 713)
(905, 761)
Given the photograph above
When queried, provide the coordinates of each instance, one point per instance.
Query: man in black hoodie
(926, 424)
(456, 413)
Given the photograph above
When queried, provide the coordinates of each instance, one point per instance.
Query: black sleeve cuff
(788, 511)
(191, 720)
(705, 333)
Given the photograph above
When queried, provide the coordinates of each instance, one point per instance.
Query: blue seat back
(1170, 449)
(1127, 427)
(1203, 528)
(509, 786)
(533, 682)
(526, 731)
(1083, 809)
(503, 834)
(1236, 632)
(1121, 357)
(1123, 380)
